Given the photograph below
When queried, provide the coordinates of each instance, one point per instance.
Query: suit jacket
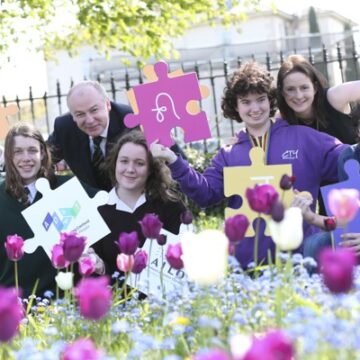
(68, 142)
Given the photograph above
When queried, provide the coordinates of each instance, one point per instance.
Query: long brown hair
(297, 63)
(159, 184)
(13, 181)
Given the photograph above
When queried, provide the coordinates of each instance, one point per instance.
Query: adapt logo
(290, 154)
(61, 223)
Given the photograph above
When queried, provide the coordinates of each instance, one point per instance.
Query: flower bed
(225, 316)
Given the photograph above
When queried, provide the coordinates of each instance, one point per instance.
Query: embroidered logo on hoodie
(290, 154)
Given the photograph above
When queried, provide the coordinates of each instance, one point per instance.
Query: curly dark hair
(249, 78)
(159, 184)
(297, 63)
(13, 182)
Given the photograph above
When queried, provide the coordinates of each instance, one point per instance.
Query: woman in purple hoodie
(250, 98)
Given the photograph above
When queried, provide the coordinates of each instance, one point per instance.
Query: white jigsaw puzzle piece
(67, 208)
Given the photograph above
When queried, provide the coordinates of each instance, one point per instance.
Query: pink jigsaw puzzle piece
(162, 107)
(352, 168)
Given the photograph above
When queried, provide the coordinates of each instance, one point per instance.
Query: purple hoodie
(313, 156)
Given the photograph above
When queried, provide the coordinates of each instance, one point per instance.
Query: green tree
(352, 66)
(141, 28)
(315, 41)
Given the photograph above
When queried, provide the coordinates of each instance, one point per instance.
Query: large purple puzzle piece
(352, 168)
(162, 107)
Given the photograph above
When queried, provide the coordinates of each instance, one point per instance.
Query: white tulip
(205, 256)
(288, 233)
(64, 280)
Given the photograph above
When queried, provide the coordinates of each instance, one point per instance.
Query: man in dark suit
(76, 134)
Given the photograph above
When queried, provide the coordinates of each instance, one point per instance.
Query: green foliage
(213, 215)
(142, 29)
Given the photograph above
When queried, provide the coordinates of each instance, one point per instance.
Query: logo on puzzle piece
(255, 174)
(67, 215)
(168, 101)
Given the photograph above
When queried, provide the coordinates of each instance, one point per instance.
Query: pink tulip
(81, 349)
(57, 257)
(14, 247)
(173, 256)
(151, 226)
(261, 198)
(125, 262)
(73, 245)
(235, 227)
(140, 262)
(94, 296)
(11, 313)
(128, 242)
(344, 204)
(87, 266)
(273, 346)
(337, 268)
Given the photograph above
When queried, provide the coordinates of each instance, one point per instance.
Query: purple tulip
(11, 313)
(214, 354)
(151, 226)
(14, 247)
(81, 349)
(235, 227)
(286, 182)
(277, 211)
(273, 346)
(261, 198)
(73, 245)
(128, 242)
(140, 262)
(94, 297)
(337, 267)
(173, 256)
(57, 257)
(186, 217)
(87, 266)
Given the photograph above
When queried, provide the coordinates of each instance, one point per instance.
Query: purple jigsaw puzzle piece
(352, 168)
(162, 107)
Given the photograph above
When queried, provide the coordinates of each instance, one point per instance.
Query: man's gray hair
(85, 83)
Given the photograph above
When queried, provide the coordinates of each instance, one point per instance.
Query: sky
(27, 69)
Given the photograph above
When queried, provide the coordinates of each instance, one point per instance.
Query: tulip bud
(287, 182)
(64, 280)
(81, 349)
(337, 267)
(57, 257)
(87, 265)
(14, 247)
(277, 211)
(235, 227)
(330, 223)
(186, 217)
(11, 313)
(173, 256)
(261, 198)
(128, 242)
(161, 239)
(73, 245)
(94, 296)
(151, 226)
(140, 262)
(125, 262)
